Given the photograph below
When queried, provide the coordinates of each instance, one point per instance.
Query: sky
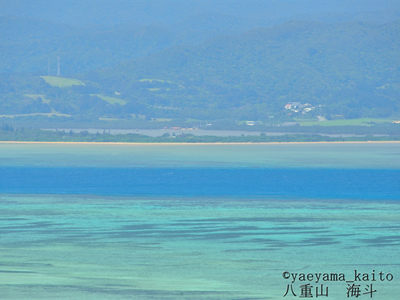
(106, 12)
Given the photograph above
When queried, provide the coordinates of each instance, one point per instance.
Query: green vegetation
(344, 122)
(111, 100)
(36, 96)
(345, 73)
(62, 82)
(153, 80)
(8, 133)
(158, 80)
(254, 75)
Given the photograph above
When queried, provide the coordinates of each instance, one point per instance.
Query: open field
(62, 81)
(162, 120)
(35, 96)
(158, 80)
(348, 122)
(110, 119)
(111, 100)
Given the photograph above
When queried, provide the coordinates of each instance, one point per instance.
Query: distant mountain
(108, 33)
(33, 45)
(350, 69)
(30, 45)
(198, 28)
(18, 29)
(376, 16)
(209, 66)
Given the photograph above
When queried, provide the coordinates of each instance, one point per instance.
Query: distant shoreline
(185, 143)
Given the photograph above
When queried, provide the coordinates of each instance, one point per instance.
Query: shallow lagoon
(186, 246)
(293, 155)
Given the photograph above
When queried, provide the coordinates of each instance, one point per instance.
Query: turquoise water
(177, 245)
(357, 155)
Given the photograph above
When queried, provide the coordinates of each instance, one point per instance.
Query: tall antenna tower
(58, 67)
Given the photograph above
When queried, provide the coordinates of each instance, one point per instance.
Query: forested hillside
(347, 70)
(33, 45)
(219, 65)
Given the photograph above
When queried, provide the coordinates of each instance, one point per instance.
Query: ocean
(275, 221)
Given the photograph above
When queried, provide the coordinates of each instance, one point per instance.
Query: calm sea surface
(199, 221)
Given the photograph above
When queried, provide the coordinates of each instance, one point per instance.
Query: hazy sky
(109, 12)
